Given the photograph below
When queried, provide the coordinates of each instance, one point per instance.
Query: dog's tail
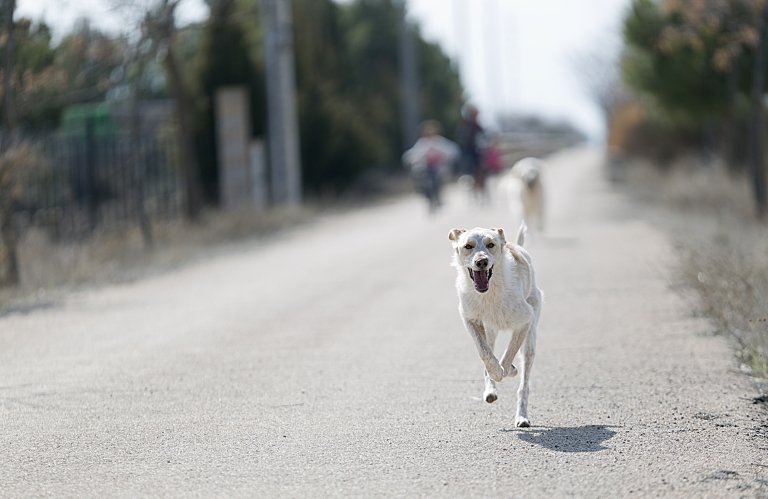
(521, 233)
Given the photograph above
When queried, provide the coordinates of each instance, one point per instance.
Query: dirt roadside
(720, 258)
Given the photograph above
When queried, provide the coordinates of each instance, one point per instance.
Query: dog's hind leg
(528, 353)
(540, 210)
(490, 394)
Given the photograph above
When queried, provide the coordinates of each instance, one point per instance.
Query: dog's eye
(490, 245)
(468, 246)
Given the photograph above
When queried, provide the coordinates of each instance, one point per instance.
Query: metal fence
(74, 185)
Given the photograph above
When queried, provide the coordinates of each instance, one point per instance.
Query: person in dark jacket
(469, 135)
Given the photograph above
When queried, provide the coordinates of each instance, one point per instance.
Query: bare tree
(157, 30)
(136, 58)
(9, 187)
(160, 26)
(16, 161)
(598, 71)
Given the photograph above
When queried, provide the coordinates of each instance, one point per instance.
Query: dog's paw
(511, 373)
(522, 422)
(491, 397)
(495, 371)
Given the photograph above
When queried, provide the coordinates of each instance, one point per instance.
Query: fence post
(137, 151)
(257, 157)
(90, 171)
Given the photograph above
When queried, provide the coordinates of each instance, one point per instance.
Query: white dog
(523, 184)
(497, 292)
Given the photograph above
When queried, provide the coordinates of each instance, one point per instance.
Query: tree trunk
(8, 233)
(729, 123)
(9, 113)
(138, 180)
(757, 168)
(185, 119)
(11, 242)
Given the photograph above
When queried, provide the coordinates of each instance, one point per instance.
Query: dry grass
(730, 274)
(692, 186)
(723, 249)
(49, 269)
(121, 253)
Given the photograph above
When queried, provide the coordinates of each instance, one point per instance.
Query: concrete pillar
(257, 155)
(233, 131)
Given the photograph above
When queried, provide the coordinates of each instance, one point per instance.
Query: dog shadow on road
(588, 438)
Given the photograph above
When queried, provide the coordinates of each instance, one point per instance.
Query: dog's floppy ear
(501, 234)
(455, 233)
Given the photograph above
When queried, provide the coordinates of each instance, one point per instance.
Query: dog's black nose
(481, 263)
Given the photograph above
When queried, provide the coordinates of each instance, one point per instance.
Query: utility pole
(757, 165)
(284, 158)
(410, 112)
(492, 62)
(461, 25)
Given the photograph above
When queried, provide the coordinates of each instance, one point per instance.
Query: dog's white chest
(494, 311)
(499, 309)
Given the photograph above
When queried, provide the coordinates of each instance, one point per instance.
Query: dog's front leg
(518, 335)
(490, 394)
(492, 365)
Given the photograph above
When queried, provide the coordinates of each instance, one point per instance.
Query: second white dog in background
(523, 187)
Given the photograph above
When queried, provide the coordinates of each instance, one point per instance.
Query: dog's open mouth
(481, 278)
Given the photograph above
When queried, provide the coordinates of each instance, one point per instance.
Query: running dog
(524, 183)
(497, 292)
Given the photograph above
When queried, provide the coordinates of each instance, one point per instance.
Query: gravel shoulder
(331, 362)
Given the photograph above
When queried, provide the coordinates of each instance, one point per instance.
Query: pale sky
(514, 55)
(518, 55)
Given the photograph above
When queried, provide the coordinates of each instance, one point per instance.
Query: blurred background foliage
(690, 95)
(346, 68)
(47, 78)
(692, 64)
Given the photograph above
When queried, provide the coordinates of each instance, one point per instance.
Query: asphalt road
(330, 361)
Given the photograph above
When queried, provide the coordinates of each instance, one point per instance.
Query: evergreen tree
(441, 90)
(684, 58)
(372, 30)
(337, 142)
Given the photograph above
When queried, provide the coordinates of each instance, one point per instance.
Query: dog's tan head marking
(455, 233)
(501, 234)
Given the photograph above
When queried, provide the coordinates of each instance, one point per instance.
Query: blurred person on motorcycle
(430, 160)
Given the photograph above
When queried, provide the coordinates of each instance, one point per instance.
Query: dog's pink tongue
(481, 280)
